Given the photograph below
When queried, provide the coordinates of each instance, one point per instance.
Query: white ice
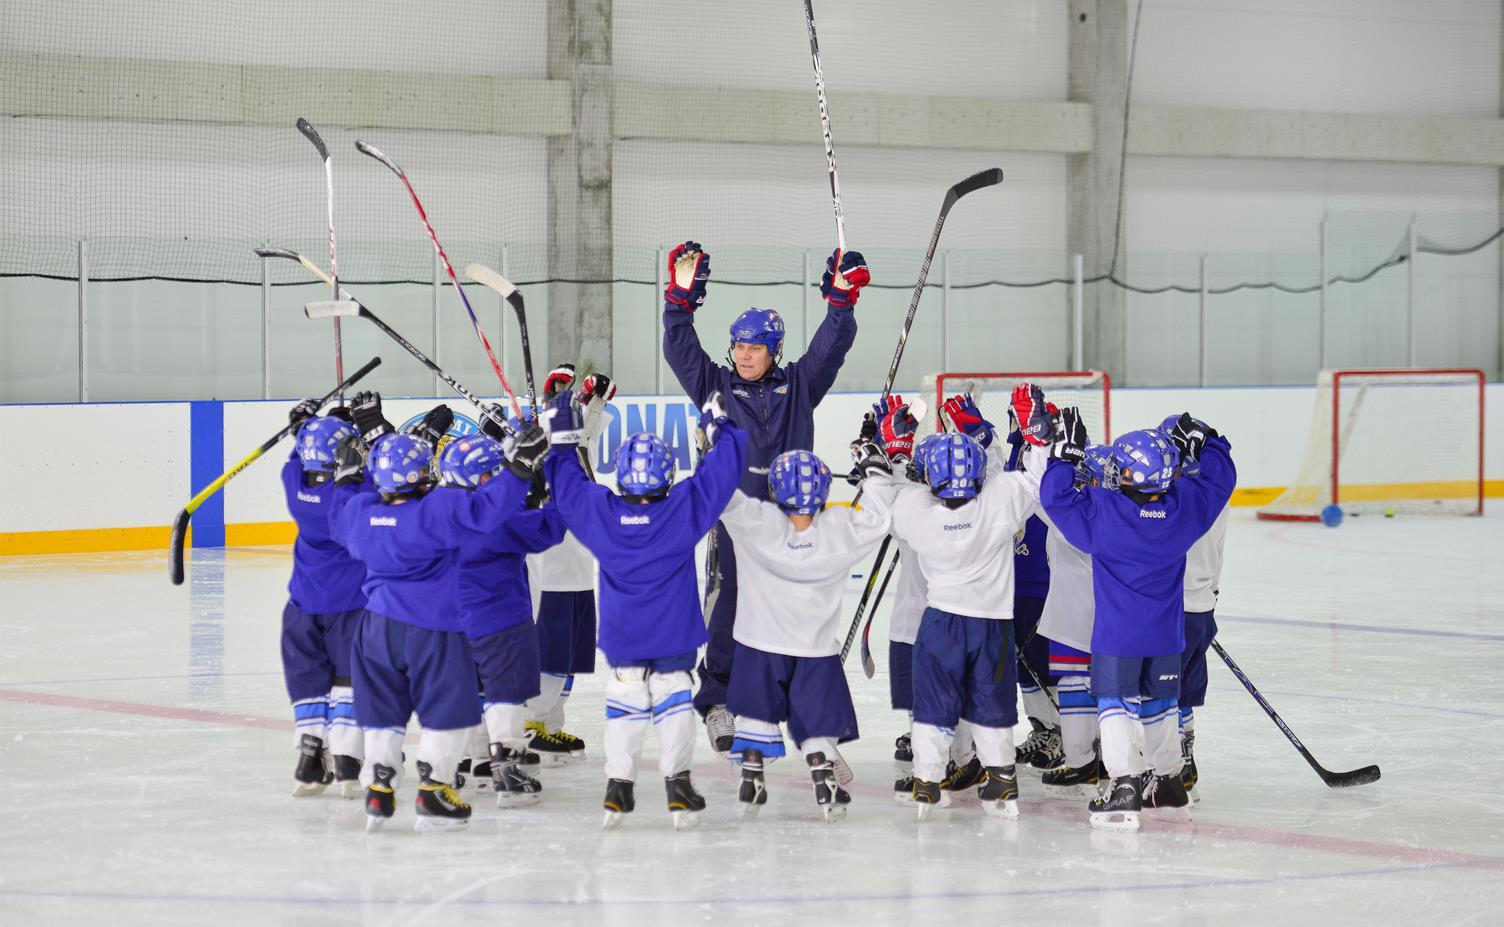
(147, 760)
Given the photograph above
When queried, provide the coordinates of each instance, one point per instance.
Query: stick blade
(1345, 780)
(175, 548)
(366, 148)
(978, 181)
(278, 253)
(487, 277)
(312, 135)
(331, 308)
(869, 667)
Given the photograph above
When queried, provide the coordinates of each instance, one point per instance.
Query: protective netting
(150, 147)
(1354, 461)
(1090, 391)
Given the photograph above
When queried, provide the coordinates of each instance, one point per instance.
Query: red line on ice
(141, 708)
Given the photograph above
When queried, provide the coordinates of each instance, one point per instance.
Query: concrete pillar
(579, 188)
(1099, 39)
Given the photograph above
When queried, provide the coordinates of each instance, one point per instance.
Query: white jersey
(1203, 566)
(908, 598)
(790, 584)
(1070, 608)
(966, 553)
(565, 567)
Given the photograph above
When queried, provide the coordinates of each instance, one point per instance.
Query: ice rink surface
(146, 751)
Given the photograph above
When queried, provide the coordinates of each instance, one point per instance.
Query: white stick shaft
(830, 150)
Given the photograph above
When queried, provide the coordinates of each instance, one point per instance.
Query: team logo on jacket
(781, 390)
(740, 391)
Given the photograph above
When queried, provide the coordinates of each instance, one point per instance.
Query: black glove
(1070, 437)
(342, 413)
(493, 421)
(302, 412)
(366, 409)
(349, 461)
(1189, 436)
(537, 494)
(868, 434)
(432, 426)
(528, 452)
(869, 458)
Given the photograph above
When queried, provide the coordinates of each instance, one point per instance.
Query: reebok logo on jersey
(801, 547)
(636, 520)
(962, 526)
(309, 497)
(1151, 513)
(380, 521)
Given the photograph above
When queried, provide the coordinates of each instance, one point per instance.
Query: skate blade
(375, 822)
(557, 760)
(1080, 790)
(749, 810)
(833, 814)
(1194, 794)
(1120, 822)
(350, 788)
(307, 789)
(1182, 815)
(1002, 810)
(686, 820)
(925, 810)
(505, 800)
(904, 798)
(436, 825)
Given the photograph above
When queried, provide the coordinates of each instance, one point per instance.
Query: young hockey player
(1066, 623)
(563, 579)
(794, 561)
(324, 606)
(412, 652)
(964, 666)
(651, 623)
(495, 608)
(1203, 577)
(1138, 538)
(773, 402)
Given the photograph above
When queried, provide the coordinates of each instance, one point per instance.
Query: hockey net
(1088, 390)
(1358, 457)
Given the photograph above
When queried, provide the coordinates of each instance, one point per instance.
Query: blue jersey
(1138, 552)
(325, 578)
(778, 411)
(493, 592)
(1031, 568)
(650, 602)
(410, 548)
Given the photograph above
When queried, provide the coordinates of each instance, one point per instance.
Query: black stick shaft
(861, 608)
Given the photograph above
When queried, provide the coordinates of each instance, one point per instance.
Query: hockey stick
(1337, 780)
(312, 135)
(487, 277)
(861, 607)
(180, 523)
(1033, 673)
(355, 308)
(830, 150)
(869, 666)
(366, 148)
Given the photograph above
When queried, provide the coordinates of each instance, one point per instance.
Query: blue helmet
(400, 462)
(1145, 460)
(759, 326)
(644, 465)
(916, 463)
(799, 482)
(317, 440)
(1187, 467)
(954, 465)
(465, 460)
(1096, 465)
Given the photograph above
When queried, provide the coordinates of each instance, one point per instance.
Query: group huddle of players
(411, 587)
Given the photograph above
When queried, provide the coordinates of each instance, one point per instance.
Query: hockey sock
(628, 708)
(1161, 735)
(1121, 735)
(825, 745)
(1037, 706)
(1187, 719)
(505, 725)
(1078, 721)
(540, 706)
(962, 746)
(345, 738)
(994, 745)
(310, 716)
(673, 719)
(383, 746)
(764, 736)
(931, 745)
(442, 750)
(555, 719)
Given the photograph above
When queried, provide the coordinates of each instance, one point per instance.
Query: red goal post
(1357, 457)
(1089, 390)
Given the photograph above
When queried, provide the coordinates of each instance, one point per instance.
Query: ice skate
(381, 798)
(550, 749)
(575, 744)
(753, 793)
(1164, 797)
(1042, 749)
(513, 787)
(720, 728)
(999, 793)
(963, 778)
(928, 796)
(903, 790)
(1071, 780)
(482, 770)
(438, 807)
(683, 801)
(347, 775)
(618, 803)
(903, 753)
(829, 796)
(312, 775)
(1119, 808)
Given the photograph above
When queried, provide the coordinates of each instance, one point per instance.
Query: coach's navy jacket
(778, 411)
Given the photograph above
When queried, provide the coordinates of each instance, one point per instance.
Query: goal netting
(1360, 454)
(1088, 390)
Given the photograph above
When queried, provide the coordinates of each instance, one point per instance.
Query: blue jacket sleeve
(1073, 511)
(533, 531)
(579, 500)
(822, 360)
(697, 373)
(1209, 491)
(716, 478)
(486, 509)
